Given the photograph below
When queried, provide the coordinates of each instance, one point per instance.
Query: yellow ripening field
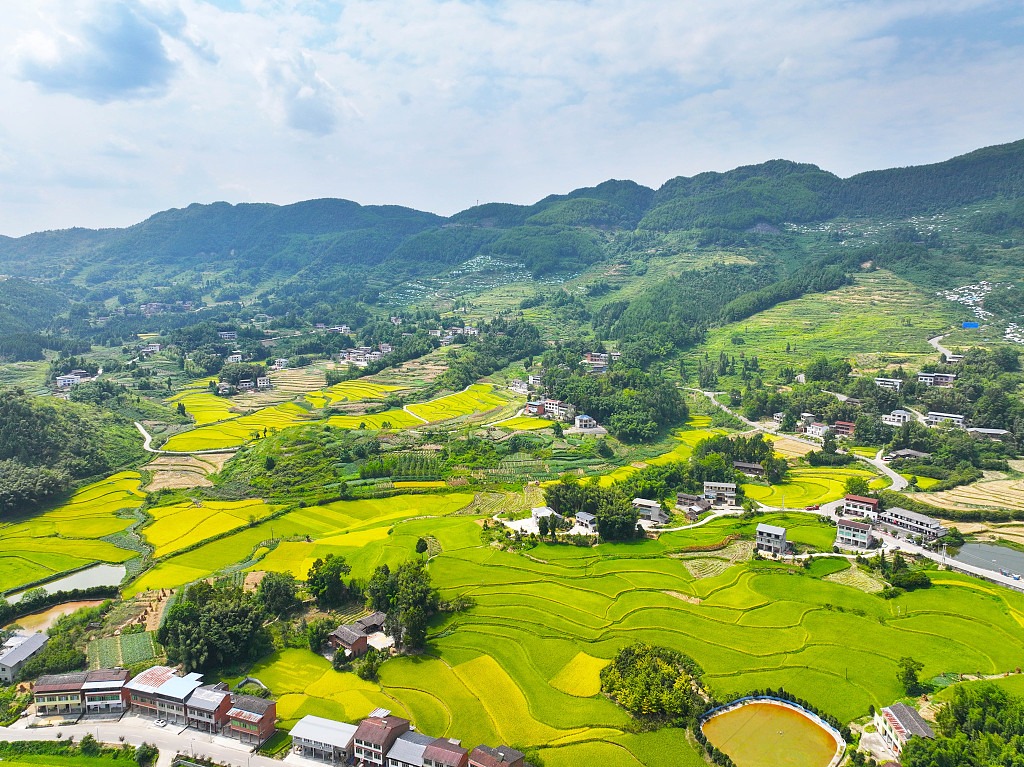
(204, 407)
(181, 525)
(478, 398)
(68, 536)
(238, 431)
(349, 391)
(526, 423)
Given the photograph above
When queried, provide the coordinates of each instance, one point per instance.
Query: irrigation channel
(769, 732)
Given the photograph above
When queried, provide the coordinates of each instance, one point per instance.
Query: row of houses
(262, 383)
(597, 362)
(810, 425)
(551, 408)
(943, 380)
(868, 516)
(384, 740)
(161, 693)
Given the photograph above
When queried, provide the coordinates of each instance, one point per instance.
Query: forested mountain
(323, 251)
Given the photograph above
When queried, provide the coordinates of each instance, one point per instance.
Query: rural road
(137, 730)
(937, 345)
(147, 445)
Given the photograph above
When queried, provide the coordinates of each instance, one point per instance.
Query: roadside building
(771, 539)
(59, 694)
(104, 691)
(650, 511)
(898, 723)
(944, 380)
(720, 492)
(519, 386)
(543, 511)
(408, 750)
(251, 719)
(323, 739)
(16, 651)
(585, 422)
(587, 520)
(910, 523)
(817, 429)
(445, 752)
(897, 417)
(906, 454)
(844, 428)
(860, 506)
(375, 736)
(160, 693)
(502, 756)
(853, 534)
(207, 708)
(954, 420)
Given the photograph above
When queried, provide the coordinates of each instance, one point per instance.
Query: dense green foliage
(981, 726)
(45, 445)
(655, 684)
(407, 597)
(214, 626)
(325, 581)
(63, 652)
(501, 343)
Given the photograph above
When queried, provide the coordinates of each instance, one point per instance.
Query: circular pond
(767, 734)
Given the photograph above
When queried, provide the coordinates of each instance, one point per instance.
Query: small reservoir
(768, 734)
(97, 575)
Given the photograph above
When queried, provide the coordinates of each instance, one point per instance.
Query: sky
(115, 110)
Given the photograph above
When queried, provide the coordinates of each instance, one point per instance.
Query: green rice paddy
(69, 536)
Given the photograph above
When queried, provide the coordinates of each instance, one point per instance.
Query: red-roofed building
(251, 719)
(376, 735)
(844, 428)
(860, 506)
(445, 753)
(502, 756)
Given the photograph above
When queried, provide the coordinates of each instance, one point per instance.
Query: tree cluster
(655, 684)
(408, 598)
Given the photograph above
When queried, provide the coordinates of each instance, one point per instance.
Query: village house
(445, 752)
(898, 723)
(251, 719)
(559, 410)
(103, 691)
(355, 638)
(993, 435)
(435, 332)
(893, 384)
(585, 422)
(263, 382)
(375, 736)
(233, 358)
(905, 454)
(207, 708)
(853, 534)
(860, 506)
(245, 384)
(447, 340)
(281, 363)
(408, 749)
(502, 756)
(67, 381)
(59, 694)
(519, 386)
(160, 693)
(898, 520)
(587, 520)
(650, 511)
(944, 419)
(720, 492)
(150, 349)
(817, 429)
(844, 428)
(943, 380)
(386, 348)
(535, 408)
(535, 379)
(227, 335)
(779, 417)
(897, 417)
(750, 469)
(543, 511)
(770, 539)
(323, 739)
(692, 505)
(16, 651)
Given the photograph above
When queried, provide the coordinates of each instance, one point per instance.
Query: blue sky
(119, 109)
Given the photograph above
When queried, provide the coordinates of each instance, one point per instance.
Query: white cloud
(436, 103)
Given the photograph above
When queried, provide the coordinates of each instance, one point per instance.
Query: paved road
(136, 730)
(937, 345)
(147, 445)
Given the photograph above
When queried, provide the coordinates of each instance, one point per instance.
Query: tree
(542, 525)
(325, 583)
(857, 486)
(278, 592)
(906, 674)
(421, 546)
(317, 632)
(557, 430)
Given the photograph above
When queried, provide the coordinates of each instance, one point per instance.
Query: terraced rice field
(204, 407)
(806, 487)
(181, 525)
(789, 448)
(346, 527)
(349, 391)
(389, 419)
(687, 439)
(993, 494)
(68, 536)
(522, 666)
(236, 432)
(526, 423)
(478, 398)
